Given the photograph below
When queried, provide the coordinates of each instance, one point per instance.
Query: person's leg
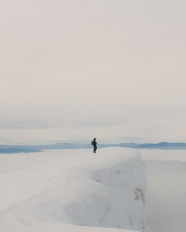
(95, 149)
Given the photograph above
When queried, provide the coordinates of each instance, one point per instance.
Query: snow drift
(106, 189)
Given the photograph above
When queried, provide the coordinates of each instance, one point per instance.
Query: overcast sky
(78, 69)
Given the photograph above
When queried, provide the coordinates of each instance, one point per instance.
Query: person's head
(94, 138)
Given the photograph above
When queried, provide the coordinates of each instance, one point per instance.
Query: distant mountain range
(162, 145)
(37, 148)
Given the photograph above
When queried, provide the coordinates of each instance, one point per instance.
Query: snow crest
(106, 189)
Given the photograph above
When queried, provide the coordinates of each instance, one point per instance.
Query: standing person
(94, 144)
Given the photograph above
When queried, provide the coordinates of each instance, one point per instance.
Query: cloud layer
(113, 69)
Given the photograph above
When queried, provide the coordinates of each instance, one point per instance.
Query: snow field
(81, 191)
(166, 195)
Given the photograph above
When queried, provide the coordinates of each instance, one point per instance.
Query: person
(94, 144)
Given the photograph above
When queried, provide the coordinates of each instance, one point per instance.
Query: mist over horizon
(73, 70)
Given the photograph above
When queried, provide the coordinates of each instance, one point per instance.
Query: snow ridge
(102, 190)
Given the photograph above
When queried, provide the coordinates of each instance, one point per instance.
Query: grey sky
(77, 69)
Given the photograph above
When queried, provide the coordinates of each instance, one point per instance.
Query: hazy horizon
(72, 70)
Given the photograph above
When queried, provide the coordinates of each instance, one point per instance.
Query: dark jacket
(94, 143)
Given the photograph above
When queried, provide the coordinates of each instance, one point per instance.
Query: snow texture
(74, 192)
(166, 195)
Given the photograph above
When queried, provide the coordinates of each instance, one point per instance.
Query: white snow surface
(73, 190)
(166, 195)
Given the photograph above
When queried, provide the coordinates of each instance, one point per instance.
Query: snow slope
(166, 195)
(81, 191)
